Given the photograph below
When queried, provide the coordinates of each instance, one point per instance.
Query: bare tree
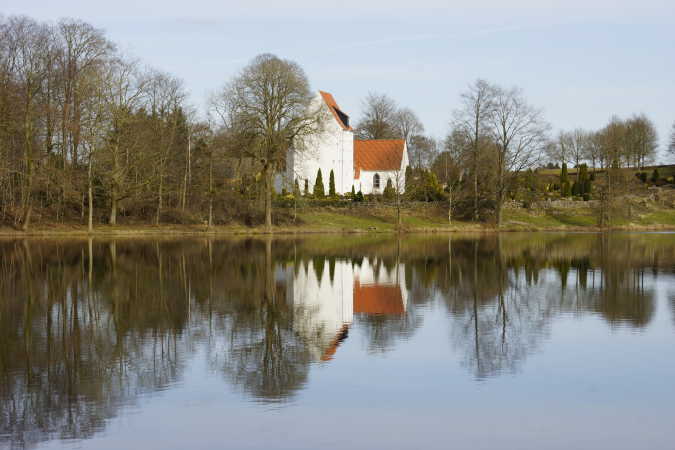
(187, 173)
(473, 120)
(29, 46)
(671, 147)
(165, 95)
(642, 141)
(124, 95)
(579, 141)
(408, 125)
(560, 149)
(593, 150)
(93, 130)
(381, 118)
(83, 49)
(269, 107)
(422, 150)
(520, 133)
(399, 191)
(613, 142)
(451, 165)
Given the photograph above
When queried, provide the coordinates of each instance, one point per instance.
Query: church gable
(341, 118)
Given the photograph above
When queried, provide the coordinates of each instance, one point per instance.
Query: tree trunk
(113, 206)
(498, 208)
(159, 197)
(187, 175)
(211, 189)
(475, 168)
(501, 189)
(398, 213)
(25, 218)
(268, 197)
(114, 188)
(475, 188)
(450, 206)
(90, 199)
(28, 158)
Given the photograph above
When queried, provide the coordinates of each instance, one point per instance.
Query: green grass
(558, 219)
(662, 217)
(519, 219)
(381, 219)
(575, 219)
(342, 221)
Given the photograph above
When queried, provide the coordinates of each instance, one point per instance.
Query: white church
(366, 165)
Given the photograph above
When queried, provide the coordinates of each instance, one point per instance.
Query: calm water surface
(524, 341)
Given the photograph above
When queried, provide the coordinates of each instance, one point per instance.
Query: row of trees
(84, 128)
(88, 134)
(638, 142)
(496, 136)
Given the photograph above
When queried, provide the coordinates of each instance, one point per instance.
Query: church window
(376, 181)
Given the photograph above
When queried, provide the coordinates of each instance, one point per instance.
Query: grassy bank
(381, 219)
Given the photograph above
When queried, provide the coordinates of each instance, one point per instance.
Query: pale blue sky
(582, 61)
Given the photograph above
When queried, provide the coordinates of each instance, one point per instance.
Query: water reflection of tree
(67, 363)
(502, 302)
(86, 328)
(262, 353)
(497, 319)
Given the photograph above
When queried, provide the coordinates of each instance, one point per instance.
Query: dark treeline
(87, 327)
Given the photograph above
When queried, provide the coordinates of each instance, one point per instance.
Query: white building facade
(364, 165)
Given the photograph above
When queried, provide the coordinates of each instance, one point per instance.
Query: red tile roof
(378, 299)
(334, 108)
(379, 154)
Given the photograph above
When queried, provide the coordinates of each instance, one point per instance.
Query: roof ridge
(367, 140)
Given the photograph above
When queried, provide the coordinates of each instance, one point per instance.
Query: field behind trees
(92, 139)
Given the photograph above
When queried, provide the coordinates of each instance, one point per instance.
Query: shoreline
(154, 231)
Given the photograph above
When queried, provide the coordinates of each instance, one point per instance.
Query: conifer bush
(655, 176)
(331, 184)
(319, 191)
(389, 193)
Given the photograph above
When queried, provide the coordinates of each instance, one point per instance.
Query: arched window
(376, 181)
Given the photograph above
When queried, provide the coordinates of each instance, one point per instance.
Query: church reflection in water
(90, 327)
(325, 302)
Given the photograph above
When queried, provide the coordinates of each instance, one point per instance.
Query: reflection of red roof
(335, 109)
(335, 343)
(378, 154)
(378, 299)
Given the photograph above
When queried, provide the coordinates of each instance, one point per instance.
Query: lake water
(519, 341)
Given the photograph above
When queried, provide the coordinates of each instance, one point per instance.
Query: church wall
(366, 181)
(333, 149)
